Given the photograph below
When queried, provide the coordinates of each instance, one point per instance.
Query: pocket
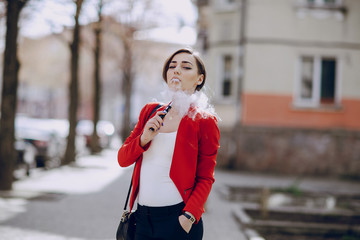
(188, 191)
(178, 233)
(180, 227)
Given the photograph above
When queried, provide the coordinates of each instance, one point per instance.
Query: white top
(156, 187)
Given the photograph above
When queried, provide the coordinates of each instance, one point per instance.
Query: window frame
(315, 101)
(220, 75)
(323, 3)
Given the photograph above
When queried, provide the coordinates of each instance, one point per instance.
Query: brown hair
(199, 62)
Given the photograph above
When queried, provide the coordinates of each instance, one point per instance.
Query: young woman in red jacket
(175, 157)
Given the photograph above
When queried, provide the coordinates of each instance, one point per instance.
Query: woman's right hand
(151, 129)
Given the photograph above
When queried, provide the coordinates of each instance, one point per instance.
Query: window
(226, 82)
(317, 84)
(226, 5)
(306, 89)
(226, 74)
(328, 73)
(323, 3)
(321, 9)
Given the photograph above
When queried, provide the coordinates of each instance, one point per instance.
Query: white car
(48, 137)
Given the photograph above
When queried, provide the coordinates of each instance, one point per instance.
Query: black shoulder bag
(127, 225)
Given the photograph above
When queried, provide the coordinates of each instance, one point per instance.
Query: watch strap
(191, 218)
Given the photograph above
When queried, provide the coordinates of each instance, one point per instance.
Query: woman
(175, 157)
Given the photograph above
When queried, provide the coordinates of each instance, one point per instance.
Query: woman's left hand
(185, 223)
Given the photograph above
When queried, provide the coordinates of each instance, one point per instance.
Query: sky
(178, 24)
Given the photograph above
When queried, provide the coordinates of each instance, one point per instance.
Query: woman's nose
(177, 70)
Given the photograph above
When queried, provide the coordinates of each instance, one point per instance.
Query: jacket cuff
(196, 213)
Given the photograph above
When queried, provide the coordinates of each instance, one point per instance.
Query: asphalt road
(88, 216)
(85, 202)
(93, 215)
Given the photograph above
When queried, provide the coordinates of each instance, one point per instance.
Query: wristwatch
(191, 218)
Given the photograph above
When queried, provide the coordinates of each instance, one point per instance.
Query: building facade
(287, 72)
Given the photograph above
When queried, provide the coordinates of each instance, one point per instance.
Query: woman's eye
(171, 66)
(188, 68)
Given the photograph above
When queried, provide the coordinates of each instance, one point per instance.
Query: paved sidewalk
(87, 177)
(330, 185)
(219, 221)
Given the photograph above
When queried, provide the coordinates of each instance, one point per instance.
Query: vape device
(164, 112)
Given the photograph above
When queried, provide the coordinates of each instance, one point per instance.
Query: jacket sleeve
(208, 146)
(131, 150)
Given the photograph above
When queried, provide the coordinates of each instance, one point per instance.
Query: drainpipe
(239, 105)
(242, 42)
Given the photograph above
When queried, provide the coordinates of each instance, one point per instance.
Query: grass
(293, 189)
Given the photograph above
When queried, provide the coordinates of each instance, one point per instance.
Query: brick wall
(291, 151)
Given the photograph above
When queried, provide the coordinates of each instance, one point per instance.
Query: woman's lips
(175, 80)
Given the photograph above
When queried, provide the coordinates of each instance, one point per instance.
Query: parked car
(47, 136)
(26, 154)
(104, 129)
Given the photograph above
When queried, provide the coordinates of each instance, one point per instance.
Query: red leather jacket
(194, 158)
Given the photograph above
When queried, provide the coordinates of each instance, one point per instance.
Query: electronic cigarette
(164, 112)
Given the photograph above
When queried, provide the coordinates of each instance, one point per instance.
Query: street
(85, 201)
(74, 202)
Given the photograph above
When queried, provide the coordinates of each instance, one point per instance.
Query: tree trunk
(9, 95)
(95, 146)
(70, 152)
(127, 89)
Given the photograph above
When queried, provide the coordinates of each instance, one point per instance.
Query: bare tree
(70, 151)
(9, 94)
(95, 147)
(128, 79)
(133, 17)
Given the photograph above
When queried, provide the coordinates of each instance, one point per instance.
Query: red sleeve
(131, 150)
(209, 136)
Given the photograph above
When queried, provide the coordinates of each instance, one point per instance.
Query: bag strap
(129, 191)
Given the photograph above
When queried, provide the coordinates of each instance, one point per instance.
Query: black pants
(162, 223)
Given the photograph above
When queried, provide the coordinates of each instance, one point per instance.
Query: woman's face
(183, 73)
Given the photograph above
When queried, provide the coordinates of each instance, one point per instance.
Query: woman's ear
(200, 79)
